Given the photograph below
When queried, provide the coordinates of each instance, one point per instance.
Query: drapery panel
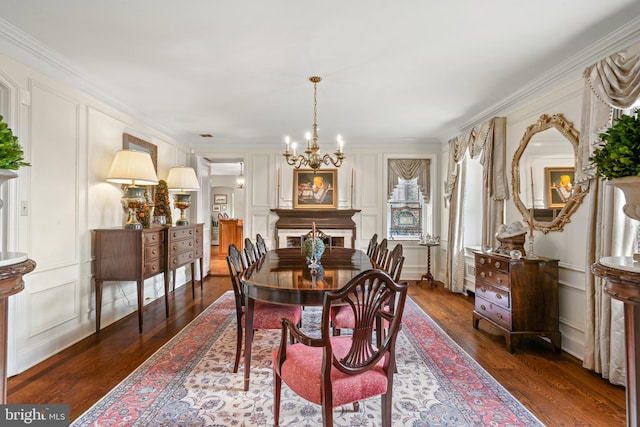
(610, 84)
(487, 140)
(409, 169)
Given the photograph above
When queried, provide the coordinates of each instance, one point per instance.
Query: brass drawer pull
(498, 296)
(483, 289)
(498, 280)
(490, 274)
(154, 236)
(499, 315)
(483, 261)
(483, 307)
(498, 264)
(154, 251)
(483, 275)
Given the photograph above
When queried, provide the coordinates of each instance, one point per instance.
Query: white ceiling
(393, 71)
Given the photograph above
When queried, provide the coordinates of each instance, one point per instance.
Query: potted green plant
(618, 160)
(11, 153)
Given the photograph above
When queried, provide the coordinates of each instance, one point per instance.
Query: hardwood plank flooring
(553, 386)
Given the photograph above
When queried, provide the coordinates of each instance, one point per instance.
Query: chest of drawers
(123, 254)
(136, 255)
(519, 297)
(184, 246)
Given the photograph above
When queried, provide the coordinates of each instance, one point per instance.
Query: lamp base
(182, 201)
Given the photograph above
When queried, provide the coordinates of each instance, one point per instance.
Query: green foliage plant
(162, 204)
(619, 156)
(11, 154)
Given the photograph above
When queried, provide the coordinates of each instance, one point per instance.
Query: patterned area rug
(189, 382)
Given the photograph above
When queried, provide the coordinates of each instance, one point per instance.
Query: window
(409, 213)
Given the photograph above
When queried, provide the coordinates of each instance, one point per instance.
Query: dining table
(282, 276)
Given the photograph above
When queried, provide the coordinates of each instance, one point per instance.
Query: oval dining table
(282, 276)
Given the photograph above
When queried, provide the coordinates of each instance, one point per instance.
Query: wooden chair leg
(356, 406)
(277, 388)
(238, 344)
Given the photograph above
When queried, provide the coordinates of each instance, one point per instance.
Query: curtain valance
(613, 82)
(487, 140)
(409, 169)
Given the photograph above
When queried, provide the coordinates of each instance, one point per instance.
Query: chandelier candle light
(311, 158)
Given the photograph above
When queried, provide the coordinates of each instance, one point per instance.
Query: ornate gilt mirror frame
(566, 128)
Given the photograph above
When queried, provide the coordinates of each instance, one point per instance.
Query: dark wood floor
(553, 386)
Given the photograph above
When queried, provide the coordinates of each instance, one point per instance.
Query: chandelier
(311, 158)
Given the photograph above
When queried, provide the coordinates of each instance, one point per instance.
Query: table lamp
(133, 169)
(184, 180)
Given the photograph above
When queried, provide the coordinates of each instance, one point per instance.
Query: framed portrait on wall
(313, 191)
(559, 185)
(220, 199)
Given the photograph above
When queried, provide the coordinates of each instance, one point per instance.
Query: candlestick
(533, 193)
(531, 222)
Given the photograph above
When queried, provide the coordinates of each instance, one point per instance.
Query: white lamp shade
(132, 167)
(183, 179)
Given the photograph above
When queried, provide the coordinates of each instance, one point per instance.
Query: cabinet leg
(98, 304)
(140, 303)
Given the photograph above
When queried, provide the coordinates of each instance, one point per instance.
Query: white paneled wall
(70, 140)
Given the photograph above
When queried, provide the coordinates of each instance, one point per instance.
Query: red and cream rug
(189, 382)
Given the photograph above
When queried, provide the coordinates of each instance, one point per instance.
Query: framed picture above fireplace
(313, 191)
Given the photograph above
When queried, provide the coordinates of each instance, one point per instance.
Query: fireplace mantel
(325, 219)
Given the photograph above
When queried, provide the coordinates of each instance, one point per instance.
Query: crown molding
(617, 40)
(27, 50)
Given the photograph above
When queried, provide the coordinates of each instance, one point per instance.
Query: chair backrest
(380, 257)
(237, 265)
(368, 295)
(250, 251)
(326, 238)
(373, 244)
(261, 245)
(395, 261)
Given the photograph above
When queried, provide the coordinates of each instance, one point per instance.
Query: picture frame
(130, 142)
(559, 185)
(215, 208)
(223, 207)
(315, 190)
(220, 199)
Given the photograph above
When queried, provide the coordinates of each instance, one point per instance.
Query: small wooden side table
(428, 276)
(622, 276)
(13, 266)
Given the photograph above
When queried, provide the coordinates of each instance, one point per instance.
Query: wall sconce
(184, 180)
(133, 169)
(240, 181)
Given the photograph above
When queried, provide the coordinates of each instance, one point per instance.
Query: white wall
(70, 140)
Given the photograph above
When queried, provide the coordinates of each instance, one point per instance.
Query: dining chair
(333, 371)
(380, 255)
(265, 315)
(342, 316)
(261, 245)
(395, 261)
(250, 251)
(373, 244)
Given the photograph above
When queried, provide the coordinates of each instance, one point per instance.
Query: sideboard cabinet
(518, 296)
(136, 255)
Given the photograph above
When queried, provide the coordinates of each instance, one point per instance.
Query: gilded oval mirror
(542, 173)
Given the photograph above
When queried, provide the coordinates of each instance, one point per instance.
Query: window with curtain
(409, 209)
(472, 205)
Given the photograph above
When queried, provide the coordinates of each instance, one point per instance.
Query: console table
(12, 267)
(622, 282)
(136, 255)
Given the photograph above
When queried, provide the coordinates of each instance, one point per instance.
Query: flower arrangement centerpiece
(313, 248)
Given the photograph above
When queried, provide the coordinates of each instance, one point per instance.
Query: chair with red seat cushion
(335, 371)
(266, 315)
(342, 317)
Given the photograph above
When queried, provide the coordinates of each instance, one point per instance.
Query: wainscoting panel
(260, 181)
